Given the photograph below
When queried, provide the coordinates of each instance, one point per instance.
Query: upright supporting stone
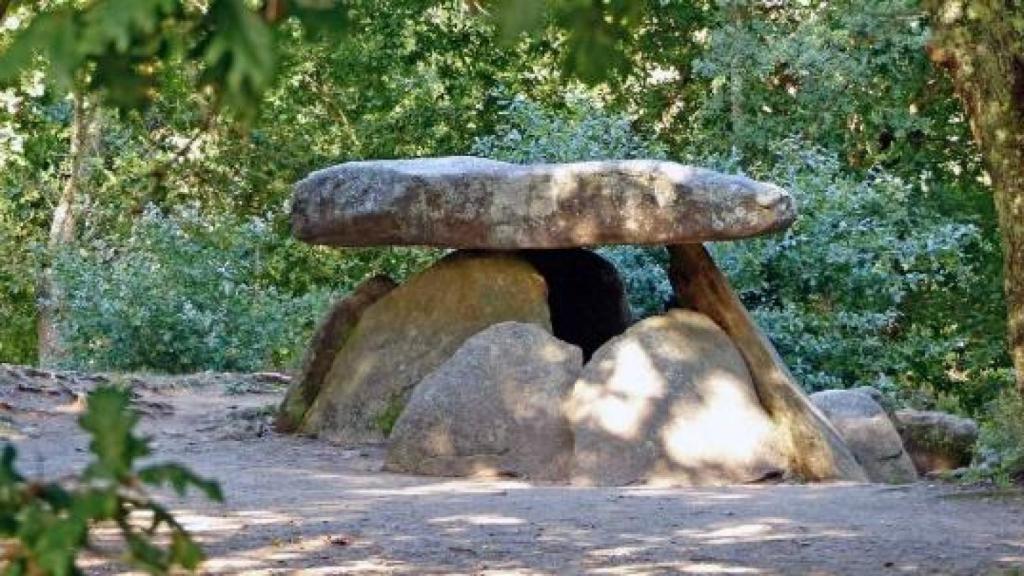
(328, 339)
(815, 449)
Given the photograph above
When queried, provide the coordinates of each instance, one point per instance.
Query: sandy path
(300, 506)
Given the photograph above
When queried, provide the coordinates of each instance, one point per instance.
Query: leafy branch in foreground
(46, 525)
(119, 46)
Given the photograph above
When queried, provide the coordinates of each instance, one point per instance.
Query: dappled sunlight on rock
(411, 331)
(553, 353)
(724, 425)
(492, 408)
(670, 402)
(621, 402)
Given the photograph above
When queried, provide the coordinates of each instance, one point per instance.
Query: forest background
(148, 148)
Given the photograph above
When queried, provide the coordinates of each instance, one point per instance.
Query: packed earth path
(303, 506)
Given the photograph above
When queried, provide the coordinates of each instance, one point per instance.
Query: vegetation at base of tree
(1000, 453)
(46, 525)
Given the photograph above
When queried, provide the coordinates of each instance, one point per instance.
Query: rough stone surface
(937, 441)
(495, 407)
(467, 202)
(585, 294)
(870, 434)
(328, 339)
(671, 401)
(887, 404)
(413, 329)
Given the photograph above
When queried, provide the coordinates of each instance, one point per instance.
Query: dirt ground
(302, 506)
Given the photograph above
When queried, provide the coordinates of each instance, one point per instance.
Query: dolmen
(516, 354)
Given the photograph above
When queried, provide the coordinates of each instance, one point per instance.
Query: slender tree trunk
(981, 44)
(736, 83)
(62, 230)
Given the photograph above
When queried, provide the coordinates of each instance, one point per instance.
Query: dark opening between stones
(585, 294)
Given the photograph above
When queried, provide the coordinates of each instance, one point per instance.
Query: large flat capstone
(468, 202)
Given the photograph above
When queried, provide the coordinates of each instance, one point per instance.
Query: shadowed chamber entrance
(585, 294)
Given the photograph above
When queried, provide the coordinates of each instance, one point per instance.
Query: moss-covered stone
(937, 441)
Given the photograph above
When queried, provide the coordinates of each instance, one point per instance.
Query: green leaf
(180, 478)
(146, 554)
(50, 34)
(55, 495)
(8, 474)
(96, 505)
(184, 551)
(596, 34)
(110, 419)
(515, 17)
(58, 546)
(238, 53)
(118, 23)
(323, 18)
(122, 81)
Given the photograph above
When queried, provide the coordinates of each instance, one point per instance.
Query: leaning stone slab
(493, 408)
(410, 331)
(328, 339)
(815, 449)
(671, 401)
(468, 202)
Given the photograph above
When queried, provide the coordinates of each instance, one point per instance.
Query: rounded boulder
(493, 408)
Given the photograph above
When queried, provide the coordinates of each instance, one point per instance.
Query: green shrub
(582, 130)
(1001, 441)
(48, 524)
(643, 272)
(177, 298)
(871, 287)
(186, 292)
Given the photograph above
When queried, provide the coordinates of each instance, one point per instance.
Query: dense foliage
(180, 294)
(175, 300)
(46, 524)
(873, 286)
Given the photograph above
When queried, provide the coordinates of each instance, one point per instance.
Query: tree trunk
(62, 230)
(981, 44)
(736, 84)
